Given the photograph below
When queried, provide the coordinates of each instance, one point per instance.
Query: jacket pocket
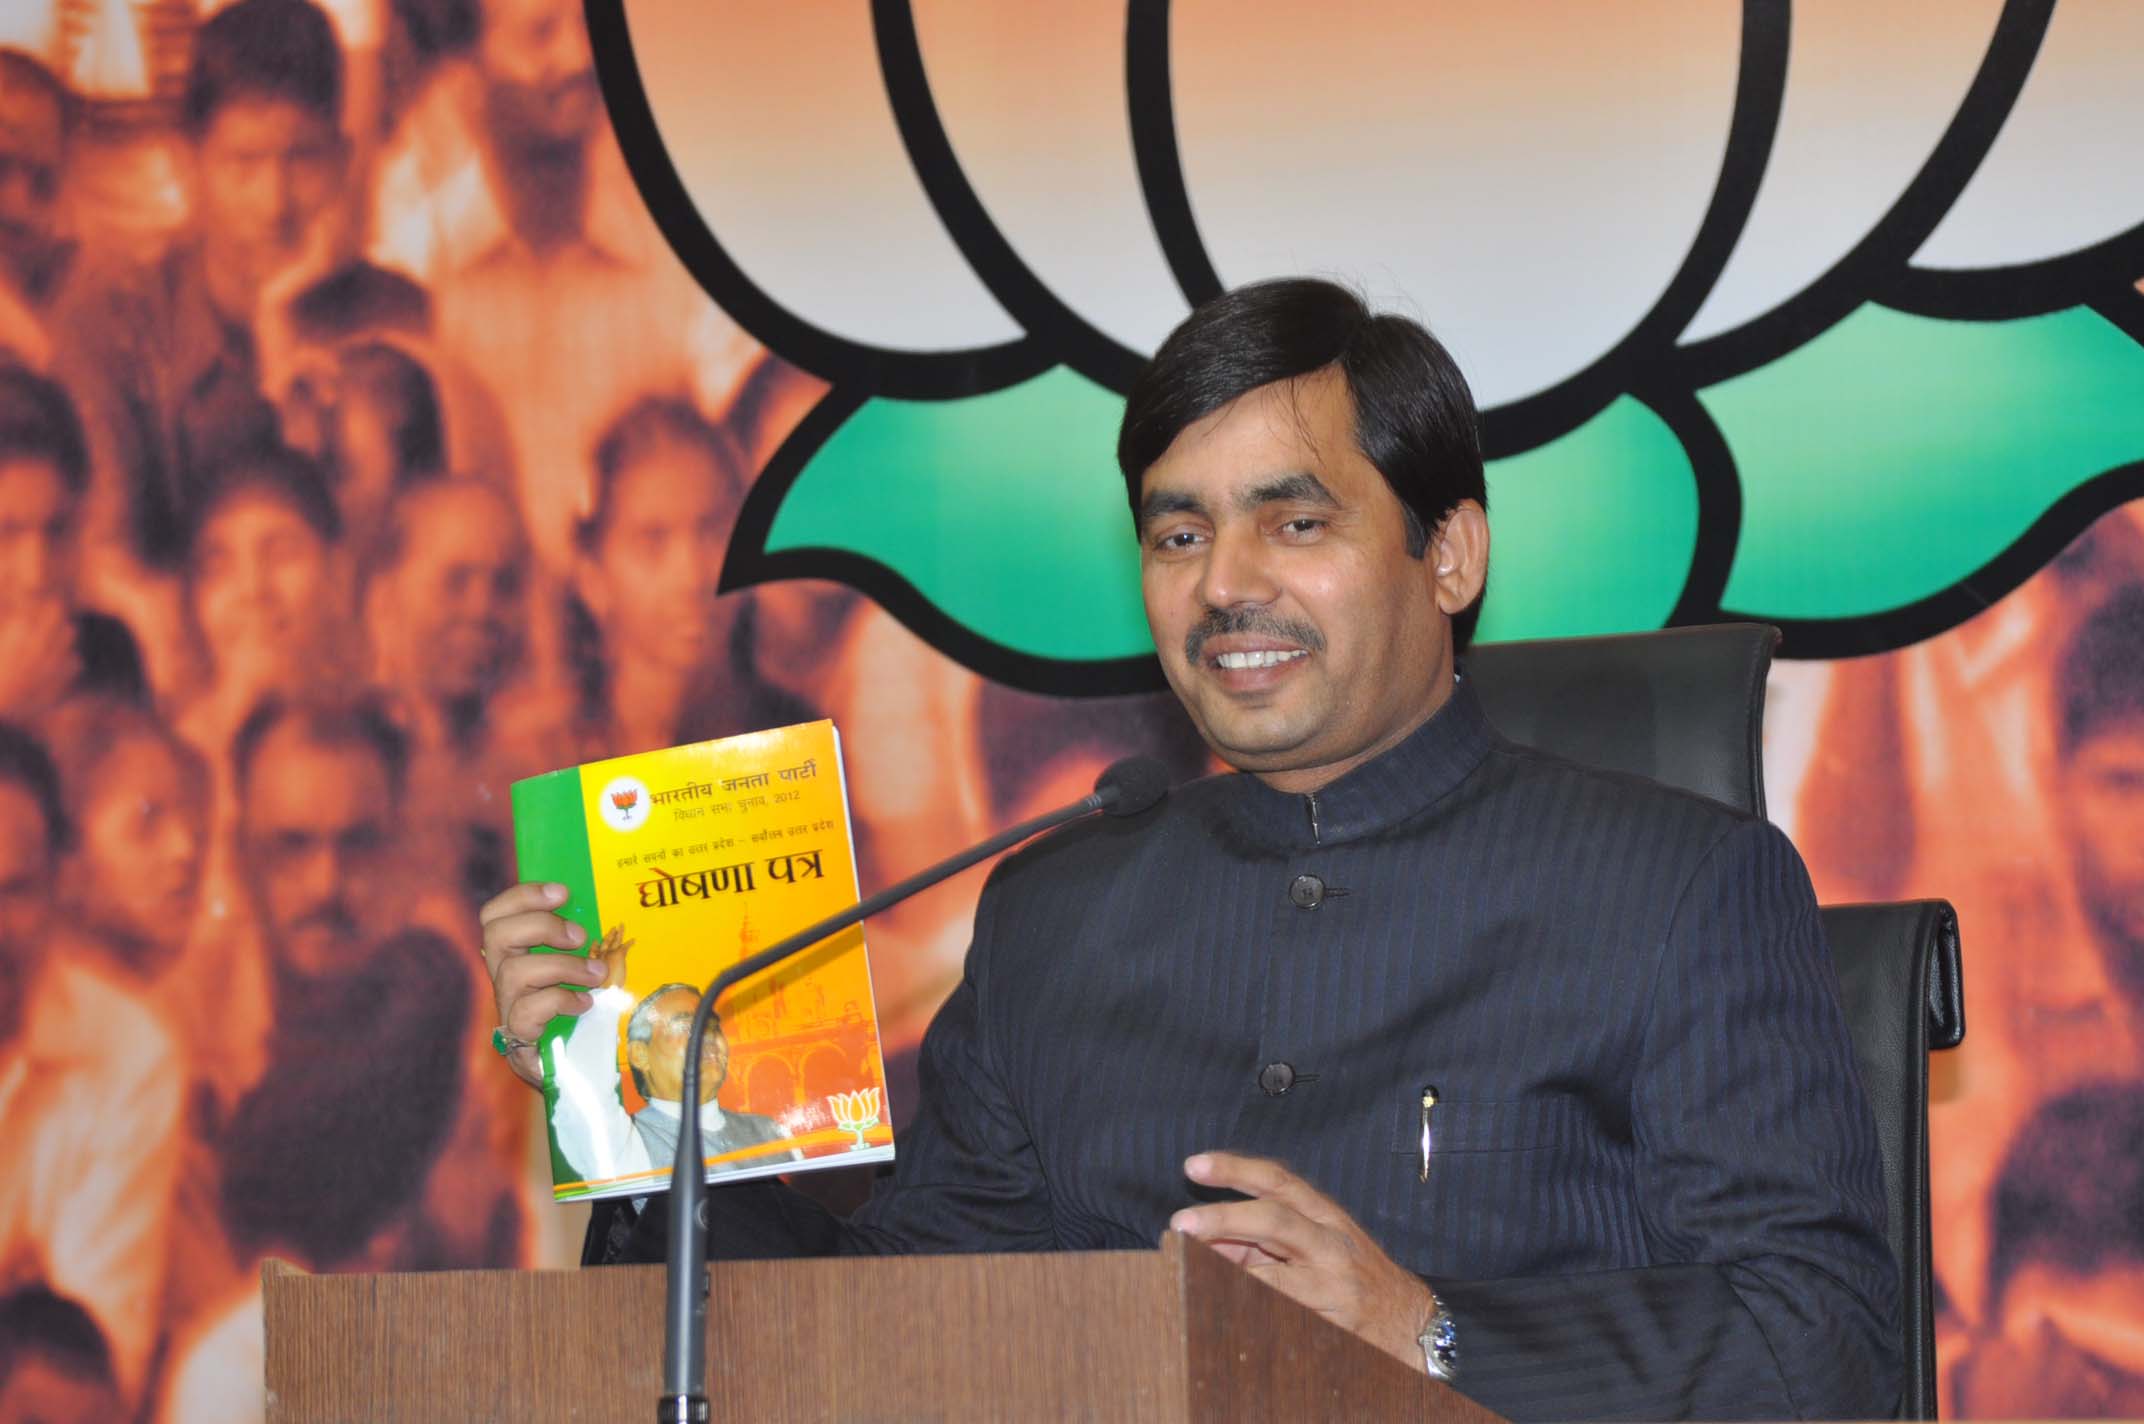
(1458, 1124)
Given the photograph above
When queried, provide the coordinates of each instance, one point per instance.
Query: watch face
(1440, 1346)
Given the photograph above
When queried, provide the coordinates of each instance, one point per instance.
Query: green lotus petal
(1892, 456)
(1592, 532)
(1005, 510)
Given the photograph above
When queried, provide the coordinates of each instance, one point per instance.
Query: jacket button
(1307, 891)
(1276, 1078)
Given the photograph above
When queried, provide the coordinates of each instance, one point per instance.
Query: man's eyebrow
(1302, 487)
(1161, 502)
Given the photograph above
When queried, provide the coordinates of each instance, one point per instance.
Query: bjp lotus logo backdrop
(1825, 320)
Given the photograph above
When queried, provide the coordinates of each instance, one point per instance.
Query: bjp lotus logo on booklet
(855, 1112)
(624, 804)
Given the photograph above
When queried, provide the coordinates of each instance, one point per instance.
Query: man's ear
(1458, 557)
(636, 1053)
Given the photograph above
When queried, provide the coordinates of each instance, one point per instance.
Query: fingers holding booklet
(531, 990)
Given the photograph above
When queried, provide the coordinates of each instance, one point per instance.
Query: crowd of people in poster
(364, 448)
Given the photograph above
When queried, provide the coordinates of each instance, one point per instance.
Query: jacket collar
(1384, 792)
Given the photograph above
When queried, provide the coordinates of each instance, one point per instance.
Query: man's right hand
(532, 989)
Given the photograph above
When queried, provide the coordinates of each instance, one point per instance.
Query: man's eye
(1177, 539)
(1303, 526)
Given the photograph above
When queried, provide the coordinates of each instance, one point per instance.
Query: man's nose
(322, 875)
(1237, 570)
(261, 582)
(37, 565)
(179, 840)
(283, 186)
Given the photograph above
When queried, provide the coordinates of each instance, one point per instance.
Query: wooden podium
(1174, 1334)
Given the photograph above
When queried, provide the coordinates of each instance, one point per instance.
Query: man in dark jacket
(1531, 1075)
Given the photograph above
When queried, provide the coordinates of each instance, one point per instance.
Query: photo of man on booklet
(595, 1132)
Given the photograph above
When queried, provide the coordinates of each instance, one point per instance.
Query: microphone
(1125, 789)
(1130, 786)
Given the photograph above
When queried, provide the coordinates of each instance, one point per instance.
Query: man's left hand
(1296, 1239)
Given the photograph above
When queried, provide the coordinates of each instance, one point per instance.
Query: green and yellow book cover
(679, 863)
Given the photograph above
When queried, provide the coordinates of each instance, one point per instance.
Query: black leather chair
(1686, 707)
(1898, 980)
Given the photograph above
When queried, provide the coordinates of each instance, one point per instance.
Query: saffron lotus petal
(780, 129)
(2063, 173)
(1034, 103)
(1870, 89)
(1530, 186)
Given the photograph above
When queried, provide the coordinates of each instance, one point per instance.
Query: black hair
(2102, 674)
(359, 300)
(37, 1322)
(1415, 419)
(649, 424)
(38, 422)
(24, 762)
(2071, 1193)
(279, 473)
(362, 723)
(275, 49)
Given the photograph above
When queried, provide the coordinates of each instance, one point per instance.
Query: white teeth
(1268, 658)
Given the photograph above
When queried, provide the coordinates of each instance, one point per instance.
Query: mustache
(1220, 621)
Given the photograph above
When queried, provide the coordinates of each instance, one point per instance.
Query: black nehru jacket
(1654, 1188)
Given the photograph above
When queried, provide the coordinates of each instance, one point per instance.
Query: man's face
(144, 830)
(458, 587)
(1290, 619)
(661, 1059)
(655, 581)
(266, 170)
(33, 156)
(36, 534)
(540, 71)
(315, 826)
(260, 580)
(2103, 816)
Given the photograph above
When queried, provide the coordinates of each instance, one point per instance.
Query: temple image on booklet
(678, 864)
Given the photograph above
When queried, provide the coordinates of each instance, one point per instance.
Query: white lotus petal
(1032, 97)
(1528, 177)
(2064, 172)
(1870, 90)
(777, 119)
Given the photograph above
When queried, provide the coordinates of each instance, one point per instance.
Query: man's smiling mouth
(1265, 658)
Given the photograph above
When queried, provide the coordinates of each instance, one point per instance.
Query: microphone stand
(684, 1397)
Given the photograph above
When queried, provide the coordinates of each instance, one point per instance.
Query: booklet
(678, 864)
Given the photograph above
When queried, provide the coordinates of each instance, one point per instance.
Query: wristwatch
(1440, 1342)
